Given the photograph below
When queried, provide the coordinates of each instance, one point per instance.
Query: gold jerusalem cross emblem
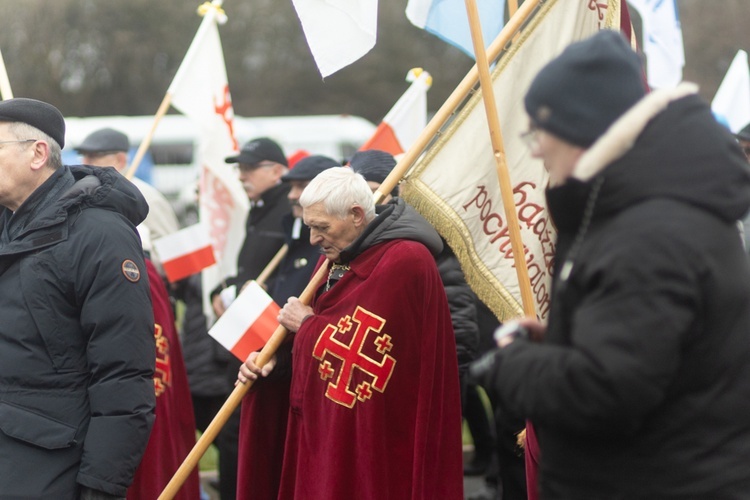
(377, 372)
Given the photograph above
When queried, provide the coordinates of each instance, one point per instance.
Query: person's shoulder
(411, 255)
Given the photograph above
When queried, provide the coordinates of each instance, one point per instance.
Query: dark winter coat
(642, 386)
(76, 338)
(296, 268)
(264, 236)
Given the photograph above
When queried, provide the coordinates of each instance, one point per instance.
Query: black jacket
(76, 338)
(642, 386)
(296, 269)
(264, 236)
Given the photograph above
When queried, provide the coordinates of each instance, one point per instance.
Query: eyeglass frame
(19, 141)
(531, 137)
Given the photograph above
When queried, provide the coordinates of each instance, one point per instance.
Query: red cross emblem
(377, 372)
(163, 371)
(225, 110)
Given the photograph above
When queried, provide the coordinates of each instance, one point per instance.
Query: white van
(170, 165)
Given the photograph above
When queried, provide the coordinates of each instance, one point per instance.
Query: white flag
(406, 119)
(248, 323)
(731, 104)
(662, 42)
(338, 31)
(200, 91)
(455, 186)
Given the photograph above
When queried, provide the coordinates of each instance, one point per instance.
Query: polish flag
(248, 323)
(406, 119)
(185, 252)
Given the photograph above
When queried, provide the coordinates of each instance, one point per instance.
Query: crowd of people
(638, 386)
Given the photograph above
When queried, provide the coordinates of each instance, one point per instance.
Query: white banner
(455, 185)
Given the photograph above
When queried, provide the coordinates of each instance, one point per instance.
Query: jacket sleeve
(117, 321)
(637, 307)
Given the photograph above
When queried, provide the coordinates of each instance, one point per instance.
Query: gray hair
(24, 131)
(339, 188)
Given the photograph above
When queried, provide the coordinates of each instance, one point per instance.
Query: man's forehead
(315, 214)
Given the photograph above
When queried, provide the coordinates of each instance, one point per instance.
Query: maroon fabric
(390, 427)
(173, 434)
(532, 463)
(263, 422)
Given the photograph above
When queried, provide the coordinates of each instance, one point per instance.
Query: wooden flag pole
(498, 149)
(454, 100)
(5, 90)
(146, 142)
(235, 398)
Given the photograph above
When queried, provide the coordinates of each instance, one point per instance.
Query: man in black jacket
(261, 164)
(77, 329)
(639, 387)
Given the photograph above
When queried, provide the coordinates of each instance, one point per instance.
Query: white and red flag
(185, 252)
(200, 91)
(248, 323)
(338, 31)
(406, 119)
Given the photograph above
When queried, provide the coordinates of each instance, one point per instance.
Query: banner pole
(498, 151)
(5, 90)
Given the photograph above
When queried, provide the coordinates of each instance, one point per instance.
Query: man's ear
(278, 170)
(41, 154)
(358, 214)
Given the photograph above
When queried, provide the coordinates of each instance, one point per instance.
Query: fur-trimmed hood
(669, 146)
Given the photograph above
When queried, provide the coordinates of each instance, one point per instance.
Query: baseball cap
(258, 150)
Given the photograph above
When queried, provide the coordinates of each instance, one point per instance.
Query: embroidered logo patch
(375, 368)
(131, 271)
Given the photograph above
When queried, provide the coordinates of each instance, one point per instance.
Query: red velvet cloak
(374, 404)
(173, 434)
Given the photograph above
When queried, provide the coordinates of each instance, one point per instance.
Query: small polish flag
(185, 252)
(406, 119)
(248, 323)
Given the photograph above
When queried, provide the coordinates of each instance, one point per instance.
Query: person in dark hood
(639, 386)
(77, 335)
(374, 370)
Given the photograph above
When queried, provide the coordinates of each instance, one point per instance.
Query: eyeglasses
(531, 138)
(17, 142)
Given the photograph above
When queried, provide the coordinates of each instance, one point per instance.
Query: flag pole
(146, 142)
(5, 90)
(235, 398)
(498, 149)
(454, 100)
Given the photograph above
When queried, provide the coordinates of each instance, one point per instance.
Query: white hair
(339, 188)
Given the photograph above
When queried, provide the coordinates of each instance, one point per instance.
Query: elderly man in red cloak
(374, 404)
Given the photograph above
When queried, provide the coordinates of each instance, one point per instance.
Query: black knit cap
(308, 167)
(38, 114)
(744, 134)
(374, 165)
(580, 93)
(258, 150)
